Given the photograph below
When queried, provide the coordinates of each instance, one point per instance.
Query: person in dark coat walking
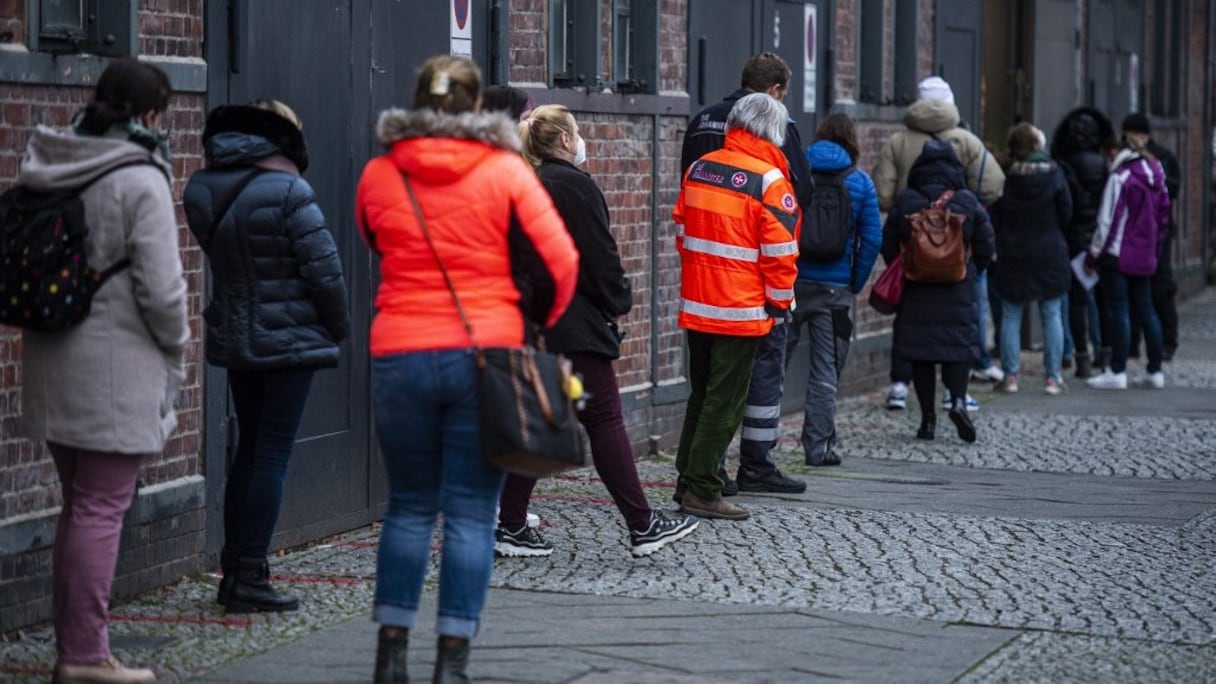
(277, 314)
(1029, 222)
(937, 323)
(588, 335)
(1077, 146)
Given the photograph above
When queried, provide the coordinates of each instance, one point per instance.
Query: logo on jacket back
(701, 172)
(739, 179)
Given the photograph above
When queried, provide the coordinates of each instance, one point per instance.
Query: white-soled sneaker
(897, 398)
(663, 530)
(1109, 381)
(972, 404)
(525, 542)
(989, 374)
(1150, 380)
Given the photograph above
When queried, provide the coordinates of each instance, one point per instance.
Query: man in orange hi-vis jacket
(738, 242)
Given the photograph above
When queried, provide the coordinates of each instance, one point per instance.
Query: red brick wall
(845, 40)
(27, 478)
(529, 38)
(673, 46)
(171, 28)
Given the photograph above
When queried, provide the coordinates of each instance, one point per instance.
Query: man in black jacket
(1136, 130)
(763, 73)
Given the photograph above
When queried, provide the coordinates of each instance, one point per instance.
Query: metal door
(958, 43)
(303, 55)
(721, 36)
(798, 31)
(1116, 48)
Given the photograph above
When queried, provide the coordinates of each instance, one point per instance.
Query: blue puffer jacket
(828, 157)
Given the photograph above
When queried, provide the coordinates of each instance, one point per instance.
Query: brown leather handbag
(936, 250)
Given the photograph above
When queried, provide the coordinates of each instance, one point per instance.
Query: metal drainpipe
(1209, 121)
(655, 156)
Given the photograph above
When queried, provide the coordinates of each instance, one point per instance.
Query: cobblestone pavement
(1123, 591)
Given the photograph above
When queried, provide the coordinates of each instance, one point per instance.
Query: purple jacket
(1134, 216)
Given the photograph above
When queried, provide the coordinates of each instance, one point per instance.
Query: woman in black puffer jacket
(277, 313)
(938, 323)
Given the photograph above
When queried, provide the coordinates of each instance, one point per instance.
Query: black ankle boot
(252, 593)
(451, 662)
(1102, 359)
(928, 426)
(1084, 370)
(962, 421)
(391, 648)
(228, 571)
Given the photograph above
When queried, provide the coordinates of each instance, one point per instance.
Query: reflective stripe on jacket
(738, 238)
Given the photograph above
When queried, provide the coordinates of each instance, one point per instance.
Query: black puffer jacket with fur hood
(278, 298)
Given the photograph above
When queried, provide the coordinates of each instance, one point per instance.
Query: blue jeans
(1053, 335)
(981, 298)
(425, 405)
(1070, 349)
(1120, 294)
(268, 404)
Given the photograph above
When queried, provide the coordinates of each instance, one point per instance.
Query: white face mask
(580, 151)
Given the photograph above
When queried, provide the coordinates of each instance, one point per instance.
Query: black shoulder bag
(527, 418)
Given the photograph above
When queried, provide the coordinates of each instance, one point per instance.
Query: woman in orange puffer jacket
(476, 195)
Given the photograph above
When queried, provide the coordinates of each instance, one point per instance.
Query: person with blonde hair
(442, 208)
(589, 336)
(277, 314)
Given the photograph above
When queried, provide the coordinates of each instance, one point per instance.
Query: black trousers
(1164, 290)
(954, 377)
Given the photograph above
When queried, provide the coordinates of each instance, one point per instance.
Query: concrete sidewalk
(1075, 541)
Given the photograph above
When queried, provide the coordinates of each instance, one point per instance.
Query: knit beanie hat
(1136, 123)
(934, 88)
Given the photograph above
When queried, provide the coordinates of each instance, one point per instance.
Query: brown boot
(718, 508)
(108, 671)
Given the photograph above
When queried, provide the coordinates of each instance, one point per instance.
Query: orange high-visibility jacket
(738, 238)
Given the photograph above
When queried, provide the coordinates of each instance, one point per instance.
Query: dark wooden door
(1116, 51)
(959, 53)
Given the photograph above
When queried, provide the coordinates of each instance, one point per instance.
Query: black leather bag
(527, 418)
(528, 422)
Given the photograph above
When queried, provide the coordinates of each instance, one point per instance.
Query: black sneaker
(729, 487)
(773, 482)
(662, 531)
(526, 542)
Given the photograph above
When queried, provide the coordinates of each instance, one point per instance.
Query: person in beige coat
(101, 394)
(934, 116)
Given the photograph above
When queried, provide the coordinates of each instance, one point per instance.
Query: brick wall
(673, 46)
(529, 38)
(164, 533)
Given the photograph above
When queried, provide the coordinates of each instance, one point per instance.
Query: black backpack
(46, 283)
(827, 222)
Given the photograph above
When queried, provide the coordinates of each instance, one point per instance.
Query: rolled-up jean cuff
(395, 616)
(462, 628)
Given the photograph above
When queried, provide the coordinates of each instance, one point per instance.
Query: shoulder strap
(125, 261)
(224, 207)
(426, 233)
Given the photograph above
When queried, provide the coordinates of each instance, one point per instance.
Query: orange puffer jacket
(469, 179)
(738, 238)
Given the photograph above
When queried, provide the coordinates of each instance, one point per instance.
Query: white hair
(761, 115)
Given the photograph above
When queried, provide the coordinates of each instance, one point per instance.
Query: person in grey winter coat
(101, 394)
(277, 313)
(937, 322)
